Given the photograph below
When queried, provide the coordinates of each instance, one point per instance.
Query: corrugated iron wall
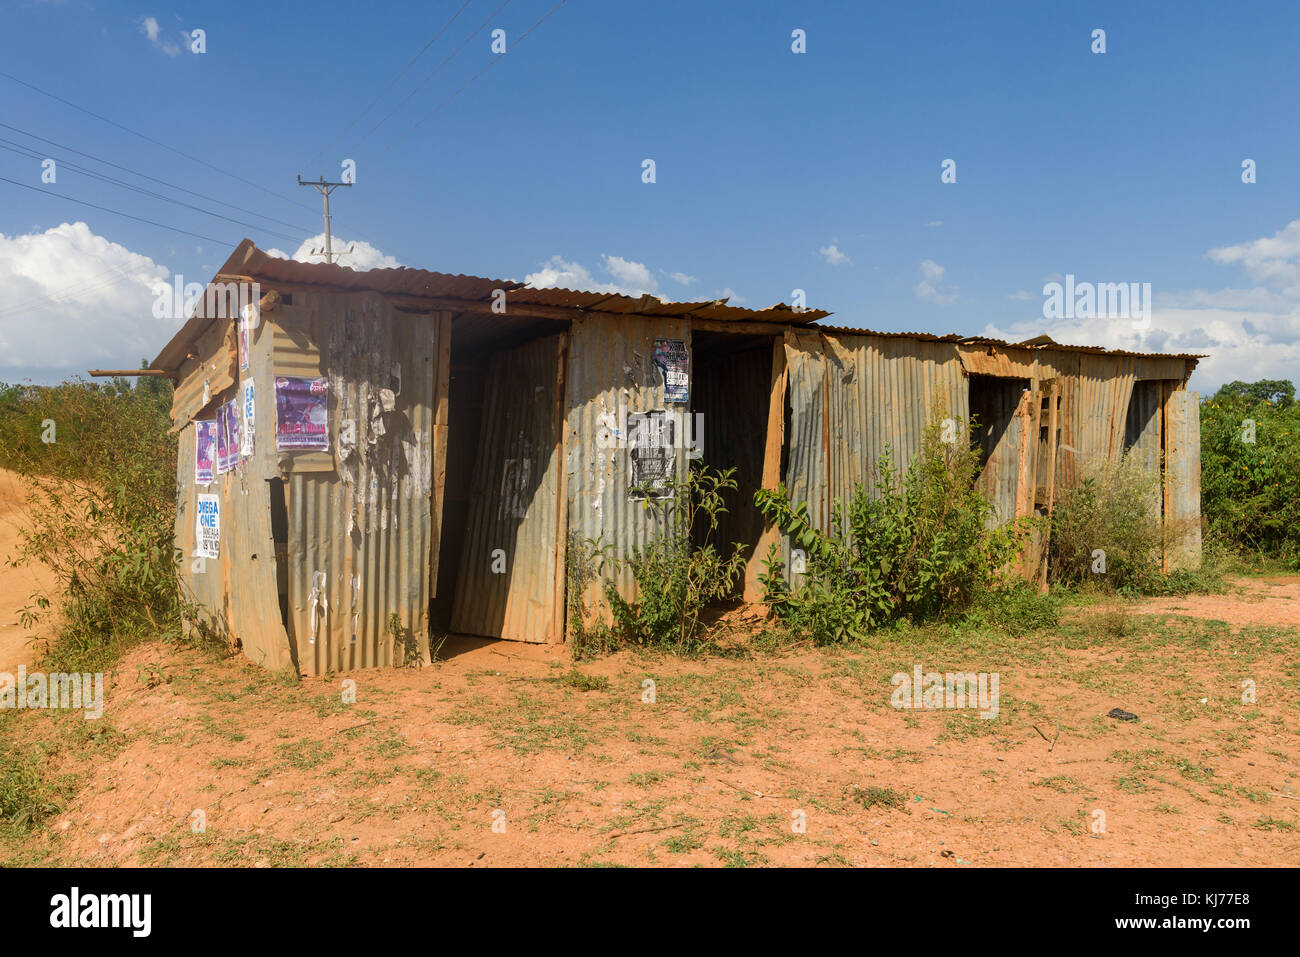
(1142, 430)
(611, 372)
(236, 594)
(999, 432)
(514, 501)
(359, 537)
(879, 393)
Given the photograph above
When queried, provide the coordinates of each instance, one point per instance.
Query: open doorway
(994, 401)
(501, 509)
(731, 386)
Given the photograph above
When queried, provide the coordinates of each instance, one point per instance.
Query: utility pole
(325, 190)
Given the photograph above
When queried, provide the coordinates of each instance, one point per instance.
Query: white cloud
(1022, 295)
(355, 254)
(1247, 333)
(680, 277)
(1273, 261)
(149, 27)
(833, 255)
(730, 295)
(931, 270)
(70, 300)
(929, 287)
(629, 278)
(934, 222)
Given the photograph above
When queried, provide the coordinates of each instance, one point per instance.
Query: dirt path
(1274, 600)
(723, 767)
(16, 584)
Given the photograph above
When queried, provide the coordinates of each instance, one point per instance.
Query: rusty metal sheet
(211, 372)
(236, 595)
(247, 261)
(852, 398)
(997, 361)
(359, 538)
(610, 371)
(507, 582)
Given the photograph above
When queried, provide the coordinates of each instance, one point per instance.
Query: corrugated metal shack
(403, 450)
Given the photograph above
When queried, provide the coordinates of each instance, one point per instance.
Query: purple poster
(227, 436)
(205, 440)
(301, 413)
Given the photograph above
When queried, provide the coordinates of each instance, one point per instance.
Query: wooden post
(771, 466)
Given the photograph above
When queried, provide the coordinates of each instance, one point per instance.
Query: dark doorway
(993, 404)
(731, 388)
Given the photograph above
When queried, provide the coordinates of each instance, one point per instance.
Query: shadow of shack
(408, 452)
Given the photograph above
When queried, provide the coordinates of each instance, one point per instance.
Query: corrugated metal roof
(1038, 342)
(251, 262)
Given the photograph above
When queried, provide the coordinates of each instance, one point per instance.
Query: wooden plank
(441, 422)
(771, 468)
(1182, 487)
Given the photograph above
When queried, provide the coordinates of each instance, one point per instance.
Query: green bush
(102, 504)
(1113, 509)
(920, 548)
(676, 576)
(1250, 490)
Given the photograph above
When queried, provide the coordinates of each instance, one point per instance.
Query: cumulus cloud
(149, 27)
(353, 253)
(1248, 333)
(626, 277)
(930, 288)
(71, 300)
(1273, 261)
(833, 255)
(680, 277)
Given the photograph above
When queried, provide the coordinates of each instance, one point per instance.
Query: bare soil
(17, 583)
(721, 769)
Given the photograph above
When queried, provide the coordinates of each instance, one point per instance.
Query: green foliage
(1115, 508)
(1017, 608)
(102, 505)
(676, 577)
(1250, 491)
(585, 560)
(26, 796)
(919, 547)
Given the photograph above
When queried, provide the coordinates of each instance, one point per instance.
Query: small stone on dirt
(1119, 714)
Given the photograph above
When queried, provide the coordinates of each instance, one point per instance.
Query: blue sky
(774, 170)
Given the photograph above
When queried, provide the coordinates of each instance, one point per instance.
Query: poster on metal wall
(248, 423)
(205, 442)
(207, 527)
(241, 327)
(651, 453)
(301, 414)
(674, 365)
(227, 436)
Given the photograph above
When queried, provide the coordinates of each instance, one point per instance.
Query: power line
(29, 152)
(94, 284)
(492, 62)
(449, 58)
(115, 212)
(154, 179)
(150, 139)
(392, 83)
